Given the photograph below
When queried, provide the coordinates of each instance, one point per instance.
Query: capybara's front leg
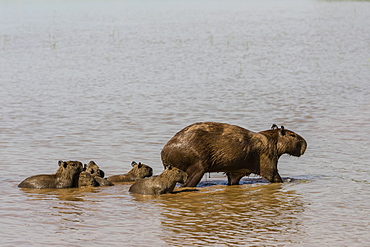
(233, 178)
(276, 178)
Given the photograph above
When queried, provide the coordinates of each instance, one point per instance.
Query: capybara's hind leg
(193, 179)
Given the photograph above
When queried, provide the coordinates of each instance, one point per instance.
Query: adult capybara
(97, 174)
(137, 171)
(220, 147)
(65, 177)
(161, 184)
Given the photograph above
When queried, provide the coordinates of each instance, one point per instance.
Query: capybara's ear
(140, 165)
(65, 164)
(84, 168)
(133, 163)
(282, 131)
(274, 126)
(169, 167)
(60, 162)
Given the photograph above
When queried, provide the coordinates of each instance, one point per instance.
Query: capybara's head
(94, 170)
(289, 142)
(175, 174)
(86, 179)
(139, 170)
(69, 167)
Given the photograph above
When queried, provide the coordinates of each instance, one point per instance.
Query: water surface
(113, 81)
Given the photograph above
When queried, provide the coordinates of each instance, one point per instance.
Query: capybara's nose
(303, 147)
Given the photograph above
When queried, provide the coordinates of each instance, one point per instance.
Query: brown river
(112, 81)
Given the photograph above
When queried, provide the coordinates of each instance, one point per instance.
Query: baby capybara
(65, 177)
(161, 184)
(137, 171)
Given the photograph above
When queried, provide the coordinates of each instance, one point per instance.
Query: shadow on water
(230, 215)
(254, 180)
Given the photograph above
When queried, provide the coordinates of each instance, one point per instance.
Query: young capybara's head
(139, 170)
(86, 180)
(289, 142)
(94, 170)
(175, 174)
(67, 168)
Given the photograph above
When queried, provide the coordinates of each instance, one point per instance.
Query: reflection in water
(72, 194)
(64, 209)
(230, 215)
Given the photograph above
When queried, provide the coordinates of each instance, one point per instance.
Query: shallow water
(113, 81)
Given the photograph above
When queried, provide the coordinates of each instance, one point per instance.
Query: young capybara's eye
(292, 135)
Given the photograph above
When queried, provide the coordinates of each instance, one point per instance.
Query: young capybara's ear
(274, 126)
(140, 165)
(133, 163)
(282, 131)
(84, 168)
(60, 162)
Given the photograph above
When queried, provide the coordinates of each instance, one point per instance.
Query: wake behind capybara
(137, 171)
(65, 177)
(161, 184)
(220, 147)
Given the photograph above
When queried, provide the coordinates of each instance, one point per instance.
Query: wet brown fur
(161, 184)
(86, 180)
(94, 170)
(97, 175)
(219, 147)
(65, 177)
(137, 171)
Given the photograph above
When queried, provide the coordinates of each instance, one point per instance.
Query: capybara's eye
(292, 135)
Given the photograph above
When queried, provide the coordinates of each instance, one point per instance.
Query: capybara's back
(39, 182)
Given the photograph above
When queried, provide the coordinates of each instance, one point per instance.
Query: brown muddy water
(113, 81)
